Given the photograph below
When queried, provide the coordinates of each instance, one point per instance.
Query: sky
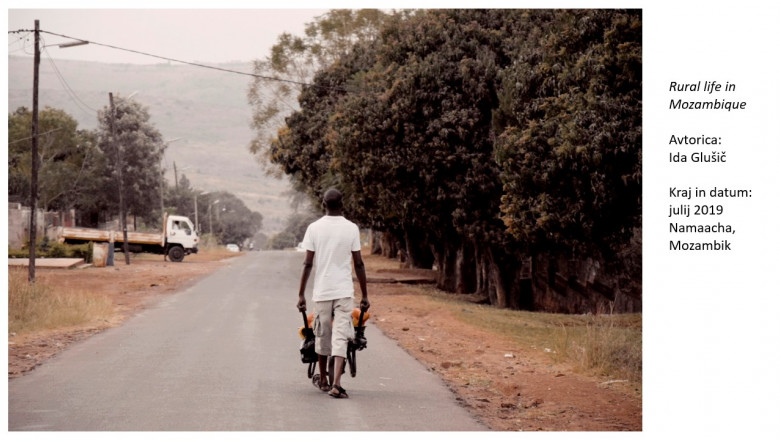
(192, 35)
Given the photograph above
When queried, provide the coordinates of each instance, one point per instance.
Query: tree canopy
(68, 156)
(480, 138)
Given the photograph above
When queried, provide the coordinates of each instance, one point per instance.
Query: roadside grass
(46, 306)
(607, 345)
(42, 306)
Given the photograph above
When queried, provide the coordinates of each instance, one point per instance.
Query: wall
(46, 224)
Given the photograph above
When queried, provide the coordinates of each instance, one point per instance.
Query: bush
(81, 251)
(18, 253)
(56, 250)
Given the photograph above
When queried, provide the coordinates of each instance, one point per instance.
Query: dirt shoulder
(507, 386)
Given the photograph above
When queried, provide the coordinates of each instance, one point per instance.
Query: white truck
(177, 239)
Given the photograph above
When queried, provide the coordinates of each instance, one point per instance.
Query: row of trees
(80, 169)
(477, 139)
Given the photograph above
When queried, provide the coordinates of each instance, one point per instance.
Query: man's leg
(323, 361)
(323, 324)
(342, 332)
(338, 365)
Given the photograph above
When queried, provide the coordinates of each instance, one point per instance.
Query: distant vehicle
(233, 247)
(177, 239)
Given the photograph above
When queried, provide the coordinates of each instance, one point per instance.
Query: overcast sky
(205, 35)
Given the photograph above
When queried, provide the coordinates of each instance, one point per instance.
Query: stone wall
(46, 224)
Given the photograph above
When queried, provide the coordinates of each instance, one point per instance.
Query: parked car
(233, 247)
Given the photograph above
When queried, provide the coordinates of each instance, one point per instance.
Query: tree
(180, 199)
(422, 145)
(232, 221)
(571, 150)
(67, 157)
(293, 61)
(489, 137)
(138, 148)
(294, 230)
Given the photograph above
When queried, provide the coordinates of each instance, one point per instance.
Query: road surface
(222, 355)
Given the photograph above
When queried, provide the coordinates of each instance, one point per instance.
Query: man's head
(332, 200)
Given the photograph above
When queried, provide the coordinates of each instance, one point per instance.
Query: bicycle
(353, 346)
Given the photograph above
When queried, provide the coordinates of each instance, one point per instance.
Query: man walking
(332, 244)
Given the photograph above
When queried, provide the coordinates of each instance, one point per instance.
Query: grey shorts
(333, 326)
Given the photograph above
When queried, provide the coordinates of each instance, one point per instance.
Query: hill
(204, 110)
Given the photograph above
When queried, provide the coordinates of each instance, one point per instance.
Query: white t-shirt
(332, 239)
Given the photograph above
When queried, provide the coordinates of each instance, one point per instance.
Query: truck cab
(180, 237)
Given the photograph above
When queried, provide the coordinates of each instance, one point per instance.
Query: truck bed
(97, 235)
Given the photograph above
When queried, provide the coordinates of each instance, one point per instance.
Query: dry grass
(45, 306)
(39, 306)
(604, 345)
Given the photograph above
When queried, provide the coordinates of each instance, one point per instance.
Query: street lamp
(72, 44)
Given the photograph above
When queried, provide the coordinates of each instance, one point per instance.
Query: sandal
(323, 386)
(338, 392)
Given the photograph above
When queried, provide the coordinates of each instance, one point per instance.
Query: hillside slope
(205, 109)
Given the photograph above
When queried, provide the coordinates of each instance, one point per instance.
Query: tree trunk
(417, 250)
(446, 257)
(496, 289)
(389, 245)
(465, 269)
(375, 242)
(481, 275)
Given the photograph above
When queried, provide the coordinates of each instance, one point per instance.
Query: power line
(254, 75)
(39, 134)
(71, 93)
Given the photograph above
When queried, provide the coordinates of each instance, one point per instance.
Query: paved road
(223, 355)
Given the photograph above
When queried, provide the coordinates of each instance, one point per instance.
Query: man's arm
(360, 271)
(307, 265)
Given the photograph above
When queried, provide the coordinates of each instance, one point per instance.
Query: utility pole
(34, 152)
(196, 214)
(162, 192)
(120, 165)
(176, 178)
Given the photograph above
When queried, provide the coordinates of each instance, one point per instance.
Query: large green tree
(137, 147)
(292, 63)
(570, 149)
(489, 137)
(67, 156)
(231, 221)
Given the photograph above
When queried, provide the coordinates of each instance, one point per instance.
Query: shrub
(82, 251)
(56, 250)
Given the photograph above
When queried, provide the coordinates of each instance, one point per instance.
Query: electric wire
(22, 41)
(39, 134)
(254, 75)
(83, 106)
